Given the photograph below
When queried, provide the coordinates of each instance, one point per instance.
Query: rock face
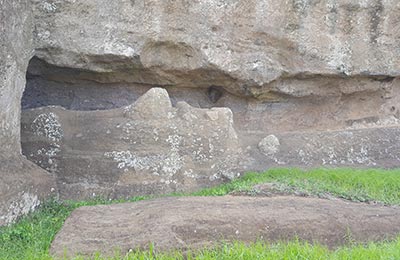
(193, 223)
(16, 50)
(152, 147)
(306, 71)
(149, 147)
(288, 66)
(22, 184)
(261, 48)
(376, 147)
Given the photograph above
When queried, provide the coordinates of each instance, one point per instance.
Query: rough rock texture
(369, 147)
(22, 184)
(182, 223)
(270, 145)
(149, 147)
(293, 65)
(73, 89)
(298, 64)
(249, 47)
(16, 50)
(309, 83)
(294, 69)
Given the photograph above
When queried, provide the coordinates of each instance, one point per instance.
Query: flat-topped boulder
(197, 222)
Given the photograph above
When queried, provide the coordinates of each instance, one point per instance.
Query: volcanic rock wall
(308, 83)
(22, 184)
(255, 48)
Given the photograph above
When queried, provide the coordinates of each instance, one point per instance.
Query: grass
(31, 237)
(372, 185)
(295, 250)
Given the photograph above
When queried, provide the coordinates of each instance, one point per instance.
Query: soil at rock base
(194, 222)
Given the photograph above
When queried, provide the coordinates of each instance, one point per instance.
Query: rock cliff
(296, 83)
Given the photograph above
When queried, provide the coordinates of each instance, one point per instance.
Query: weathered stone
(308, 72)
(264, 48)
(49, 85)
(367, 147)
(146, 148)
(282, 68)
(22, 184)
(193, 223)
(16, 50)
(154, 104)
(269, 145)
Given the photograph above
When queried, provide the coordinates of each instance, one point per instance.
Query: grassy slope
(358, 185)
(30, 238)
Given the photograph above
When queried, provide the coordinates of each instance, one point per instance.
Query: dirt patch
(195, 222)
(273, 189)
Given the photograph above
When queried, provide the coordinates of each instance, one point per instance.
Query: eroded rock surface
(368, 147)
(22, 184)
(259, 48)
(319, 75)
(303, 65)
(193, 223)
(149, 147)
(153, 147)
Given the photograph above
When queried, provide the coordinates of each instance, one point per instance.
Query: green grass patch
(31, 237)
(358, 185)
(295, 250)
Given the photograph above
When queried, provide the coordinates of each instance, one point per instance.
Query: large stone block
(149, 147)
(198, 222)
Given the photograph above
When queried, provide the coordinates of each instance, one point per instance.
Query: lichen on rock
(269, 146)
(24, 204)
(47, 125)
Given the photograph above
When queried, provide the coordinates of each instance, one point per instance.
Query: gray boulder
(149, 147)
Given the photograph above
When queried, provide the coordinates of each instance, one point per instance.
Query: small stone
(269, 145)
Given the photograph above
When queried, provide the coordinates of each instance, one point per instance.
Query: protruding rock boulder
(269, 145)
(155, 104)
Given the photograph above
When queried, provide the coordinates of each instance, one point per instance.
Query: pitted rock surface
(149, 147)
(153, 147)
(321, 76)
(253, 47)
(197, 222)
(23, 185)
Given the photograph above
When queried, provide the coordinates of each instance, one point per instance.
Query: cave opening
(75, 124)
(49, 85)
(324, 106)
(77, 89)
